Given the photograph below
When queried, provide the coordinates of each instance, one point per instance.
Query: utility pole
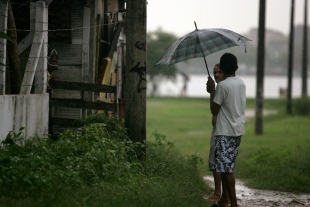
(290, 62)
(260, 69)
(304, 74)
(135, 73)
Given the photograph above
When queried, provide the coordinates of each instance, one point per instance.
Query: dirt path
(248, 197)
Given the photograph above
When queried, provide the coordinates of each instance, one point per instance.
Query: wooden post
(135, 73)
(120, 46)
(85, 47)
(85, 54)
(3, 27)
(260, 69)
(41, 72)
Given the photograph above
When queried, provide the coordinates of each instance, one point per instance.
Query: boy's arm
(215, 108)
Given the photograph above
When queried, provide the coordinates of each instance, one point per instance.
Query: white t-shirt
(230, 94)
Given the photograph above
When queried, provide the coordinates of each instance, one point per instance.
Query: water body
(196, 86)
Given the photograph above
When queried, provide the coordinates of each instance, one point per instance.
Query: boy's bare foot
(222, 203)
(214, 198)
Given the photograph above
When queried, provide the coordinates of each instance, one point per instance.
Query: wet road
(248, 197)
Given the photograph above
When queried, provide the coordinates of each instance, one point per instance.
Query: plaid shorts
(226, 151)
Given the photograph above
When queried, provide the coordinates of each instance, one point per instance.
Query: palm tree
(304, 74)
(290, 62)
(260, 69)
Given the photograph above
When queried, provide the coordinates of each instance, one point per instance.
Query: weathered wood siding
(29, 111)
(70, 68)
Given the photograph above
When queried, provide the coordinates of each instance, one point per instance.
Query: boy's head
(218, 73)
(228, 63)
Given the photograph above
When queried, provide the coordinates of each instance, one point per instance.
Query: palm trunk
(290, 62)
(260, 69)
(304, 74)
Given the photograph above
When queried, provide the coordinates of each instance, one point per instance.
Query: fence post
(3, 27)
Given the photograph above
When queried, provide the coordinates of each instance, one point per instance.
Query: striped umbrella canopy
(200, 43)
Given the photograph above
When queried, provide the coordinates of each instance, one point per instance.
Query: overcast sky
(178, 16)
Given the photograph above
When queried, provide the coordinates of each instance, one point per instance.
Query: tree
(290, 62)
(157, 43)
(304, 73)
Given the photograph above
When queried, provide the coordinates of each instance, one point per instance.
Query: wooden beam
(85, 46)
(115, 39)
(3, 27)
(32, 63)
(77, 86)
(62, 121)
(75, 103)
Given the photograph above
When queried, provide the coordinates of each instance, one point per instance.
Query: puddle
(245, 193)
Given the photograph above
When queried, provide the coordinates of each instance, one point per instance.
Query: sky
(178, 16)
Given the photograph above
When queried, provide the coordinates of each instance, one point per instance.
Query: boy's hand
(210, 85)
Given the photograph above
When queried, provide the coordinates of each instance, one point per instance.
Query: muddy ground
(248, 197)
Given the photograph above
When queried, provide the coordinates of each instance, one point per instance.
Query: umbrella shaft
(206, 65)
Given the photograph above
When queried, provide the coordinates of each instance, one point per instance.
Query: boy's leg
(217, 187)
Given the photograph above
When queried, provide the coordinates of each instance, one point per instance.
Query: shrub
(302, 106)
(90, 155)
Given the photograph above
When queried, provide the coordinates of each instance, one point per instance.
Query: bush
(302, 106)
(81, 158)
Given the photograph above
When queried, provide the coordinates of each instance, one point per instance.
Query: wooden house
(83, 43)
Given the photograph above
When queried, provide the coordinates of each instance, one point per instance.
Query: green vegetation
(301, 106)
(277, 160)
(97, 166)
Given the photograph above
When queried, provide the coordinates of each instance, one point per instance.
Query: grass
(277, 160)
(187, 122)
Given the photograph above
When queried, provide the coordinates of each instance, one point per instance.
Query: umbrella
(200, 43)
